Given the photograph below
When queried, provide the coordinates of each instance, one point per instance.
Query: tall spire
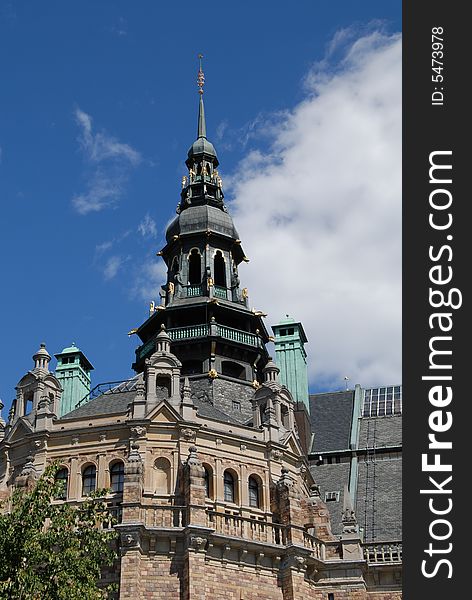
(201, 109)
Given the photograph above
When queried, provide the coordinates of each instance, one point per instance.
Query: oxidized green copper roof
(71, 349)
(75, 350)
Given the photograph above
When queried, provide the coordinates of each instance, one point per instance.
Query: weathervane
(201, 76)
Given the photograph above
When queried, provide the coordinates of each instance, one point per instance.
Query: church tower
(205, 311)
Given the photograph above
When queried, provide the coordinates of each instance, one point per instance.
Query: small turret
(41, 358)
(73, 372)
(290, 356)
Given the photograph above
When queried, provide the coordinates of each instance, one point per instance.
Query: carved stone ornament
(212, 374)
(129, 540)
(37, 445)
(299, 562)
(192, 459)
(102, 437)
(75, 441)
(43, 402)
(276, 455)
(134, 456)
(285, 480)
(28, 468)
(197, 543)
(188, 434)
(137, 431)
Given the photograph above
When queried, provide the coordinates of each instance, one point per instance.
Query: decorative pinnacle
(201, 76)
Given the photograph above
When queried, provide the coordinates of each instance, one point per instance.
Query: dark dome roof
(202, 146)
(201, 218)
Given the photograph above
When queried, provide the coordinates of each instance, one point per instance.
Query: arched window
(254, 492)
(220, 269)
(89, 480)
(62, 477)
(194, 267)
(262, 409)
(28, 407)
(229, 495)
(162, 476)
(285, 416)
(117, 477)
(162, 387)
(208, 481)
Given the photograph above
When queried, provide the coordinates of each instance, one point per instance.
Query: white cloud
(111, 161)
(147, 228)
(102, 146)
(103, 247)
(320, 215)
(112, 266)
(151, 275)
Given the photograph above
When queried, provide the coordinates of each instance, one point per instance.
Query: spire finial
(201, 132)
(201, 76)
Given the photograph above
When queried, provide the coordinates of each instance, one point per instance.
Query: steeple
(201, 130)
(206, 314)
(202, 160)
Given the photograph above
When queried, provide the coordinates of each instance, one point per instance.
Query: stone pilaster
(133, 486)
(194, 488)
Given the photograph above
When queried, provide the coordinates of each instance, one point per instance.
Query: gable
(164, 413)
(20, 429)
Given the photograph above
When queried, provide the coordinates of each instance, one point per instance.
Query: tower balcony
(203, 330)
(215, 291)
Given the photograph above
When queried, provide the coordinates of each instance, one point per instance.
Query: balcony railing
(165, 516)
(202, 330)
(236, 335)
(220, 292)
(194, 290)
(315, 545)
(383, 553)
(248, 529)
(145, 349)
(189, 332)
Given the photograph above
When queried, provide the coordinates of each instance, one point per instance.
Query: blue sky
(98, 107)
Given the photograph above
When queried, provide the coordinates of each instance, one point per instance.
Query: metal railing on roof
(109, 387)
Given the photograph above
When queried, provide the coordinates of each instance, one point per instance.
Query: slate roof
(331, 415)
(117, 403)
(106, 404)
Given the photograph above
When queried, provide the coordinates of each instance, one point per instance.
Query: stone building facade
(209, 478)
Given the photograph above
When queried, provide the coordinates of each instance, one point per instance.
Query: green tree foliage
(51, 550)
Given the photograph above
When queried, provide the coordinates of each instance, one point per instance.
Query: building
(357, 444)
(202, 451)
